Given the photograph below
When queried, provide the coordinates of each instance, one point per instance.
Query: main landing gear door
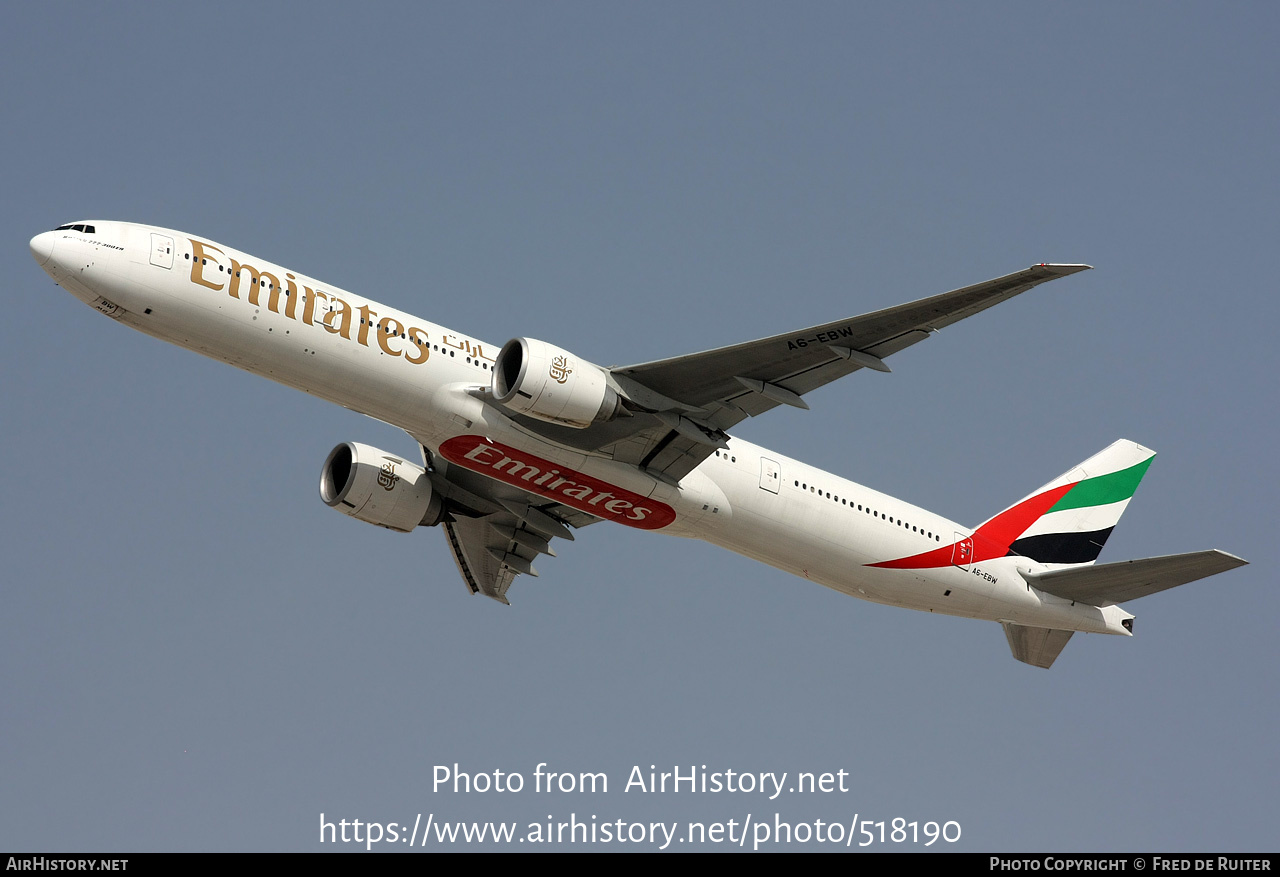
(161, 250)
(770, 475)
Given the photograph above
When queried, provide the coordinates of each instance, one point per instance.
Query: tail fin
(1067, 522)
(1069, 519)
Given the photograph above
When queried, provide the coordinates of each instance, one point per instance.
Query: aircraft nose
(42, 247)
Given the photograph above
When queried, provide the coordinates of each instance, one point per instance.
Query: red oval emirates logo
(559, 483)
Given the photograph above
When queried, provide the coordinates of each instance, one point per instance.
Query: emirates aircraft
(528, 442)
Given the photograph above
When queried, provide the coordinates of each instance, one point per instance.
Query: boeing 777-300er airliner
(533, 443)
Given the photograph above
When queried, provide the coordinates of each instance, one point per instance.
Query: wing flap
(496, 531)
(482, 572)
(491, 551)
(1108, 583)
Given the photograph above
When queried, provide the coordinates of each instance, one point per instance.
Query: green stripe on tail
(1104, 489)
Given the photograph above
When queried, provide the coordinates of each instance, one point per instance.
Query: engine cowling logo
(560, 370)
(387, 478)
(559, 483)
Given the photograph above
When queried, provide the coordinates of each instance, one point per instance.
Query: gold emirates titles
(337, 320)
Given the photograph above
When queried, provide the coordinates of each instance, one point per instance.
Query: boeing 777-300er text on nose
(528, 443)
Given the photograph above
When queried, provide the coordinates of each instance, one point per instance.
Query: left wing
(682, 406)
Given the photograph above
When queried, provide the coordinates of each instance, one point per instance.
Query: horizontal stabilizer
(1037, 646)
(1128, 580)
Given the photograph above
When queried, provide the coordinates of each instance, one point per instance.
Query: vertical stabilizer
(1069, 519)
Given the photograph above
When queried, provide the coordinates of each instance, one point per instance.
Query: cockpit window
(78, 226)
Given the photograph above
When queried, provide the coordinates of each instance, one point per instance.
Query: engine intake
(535, 378)
(379, 488)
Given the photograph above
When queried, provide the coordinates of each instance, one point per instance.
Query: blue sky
(199, 655)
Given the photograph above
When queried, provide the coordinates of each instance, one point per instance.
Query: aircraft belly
(479, 438)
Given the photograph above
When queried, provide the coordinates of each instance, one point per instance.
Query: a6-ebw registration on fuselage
(528, 442)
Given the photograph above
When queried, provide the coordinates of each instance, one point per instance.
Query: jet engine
(535, 378)
(379, 488)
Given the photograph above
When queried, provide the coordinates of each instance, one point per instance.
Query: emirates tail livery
(529, 442)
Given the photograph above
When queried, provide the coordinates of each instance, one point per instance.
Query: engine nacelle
(532, 377)
(379, 488)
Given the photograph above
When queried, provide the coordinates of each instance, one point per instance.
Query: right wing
(482, 572)
(493, 550)
(496, 531)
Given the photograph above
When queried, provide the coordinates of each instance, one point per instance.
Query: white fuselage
(417, 376)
